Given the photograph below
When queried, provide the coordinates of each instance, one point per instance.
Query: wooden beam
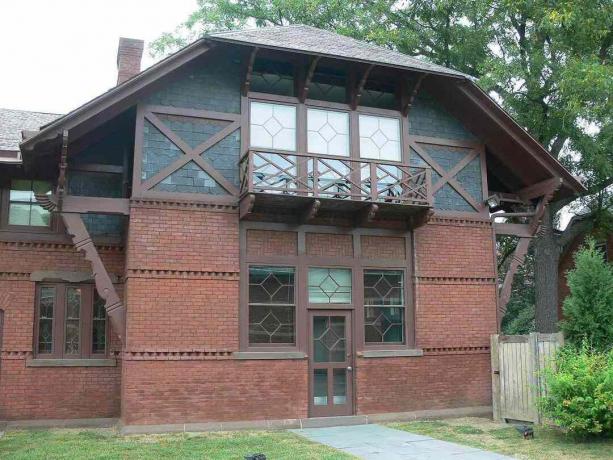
(249, 71)
(94, 204)
(539, 189)
(419, 219)
(519, 256)
(357, 94)
(61, 180)
(413, 95)
(307, 81)
(521, 230)
(311, 211)
(246, 205)
(113, 305)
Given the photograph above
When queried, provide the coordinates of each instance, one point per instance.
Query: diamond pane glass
(98, 325)
(329, 339)
(383, 306)
(273, 126)
(46, 304)
(329, 285)
(271, 305)
(380, 138)
(73, 316)
(320, 387)
(328, 132)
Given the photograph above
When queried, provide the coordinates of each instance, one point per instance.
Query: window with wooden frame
(384, 307)
(20, 209)
(272, 126)
(272, 306)
(380, 138)
(71, 322)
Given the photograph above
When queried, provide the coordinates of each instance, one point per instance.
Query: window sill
(43, 362)
(269, 355)
(390, 353)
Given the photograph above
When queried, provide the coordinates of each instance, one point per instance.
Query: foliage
(588, 310)
(579, 395)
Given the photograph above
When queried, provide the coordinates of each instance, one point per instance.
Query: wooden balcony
(300, 187)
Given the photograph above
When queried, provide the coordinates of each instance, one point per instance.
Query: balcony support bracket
(311, 211)
(366, 215)
(246, 205)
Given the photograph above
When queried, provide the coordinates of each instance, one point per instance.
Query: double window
(273, 306)
(71, 322)
(273, 126)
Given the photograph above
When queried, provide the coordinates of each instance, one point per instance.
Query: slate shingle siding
(213, 86)
(428, 118)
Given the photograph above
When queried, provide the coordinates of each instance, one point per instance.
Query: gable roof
(12, 122)
(311, 40)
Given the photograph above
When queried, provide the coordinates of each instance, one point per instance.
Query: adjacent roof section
(311, 40)
(12, 122)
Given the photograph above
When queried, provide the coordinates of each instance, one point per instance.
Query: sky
(56, 55)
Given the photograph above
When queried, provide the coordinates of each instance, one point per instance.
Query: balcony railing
(322, 176)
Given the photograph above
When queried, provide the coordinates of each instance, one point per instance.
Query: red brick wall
(39, 393)
(266, 243)
(383, 247)
(328, 244)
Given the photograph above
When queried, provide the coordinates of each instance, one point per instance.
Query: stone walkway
(379, 442)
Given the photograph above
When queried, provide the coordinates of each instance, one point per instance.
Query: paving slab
(380, 442)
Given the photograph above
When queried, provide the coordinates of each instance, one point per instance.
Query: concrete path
(379, 442)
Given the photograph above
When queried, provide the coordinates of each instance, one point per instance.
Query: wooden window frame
(301, 262)
(5, 192)
(59, 324)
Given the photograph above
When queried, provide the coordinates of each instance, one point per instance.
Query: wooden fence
(517, 364)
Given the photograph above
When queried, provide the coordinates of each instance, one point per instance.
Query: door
(330, 363)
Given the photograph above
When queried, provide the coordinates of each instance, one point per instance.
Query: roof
(12, 122)
(308, 39)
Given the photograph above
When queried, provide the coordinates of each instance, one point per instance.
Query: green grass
(107, 444)
(482, 433)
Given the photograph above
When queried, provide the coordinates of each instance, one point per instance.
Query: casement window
(328, 132)
(272, 126)
(380, 138)
(384, 307)
(329, 285)
(272, 305)
(71, 322)
(23, 210)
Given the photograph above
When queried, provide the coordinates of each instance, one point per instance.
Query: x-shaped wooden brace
(448, 177)
(193, 154)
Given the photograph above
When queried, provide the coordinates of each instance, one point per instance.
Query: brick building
(267, 225)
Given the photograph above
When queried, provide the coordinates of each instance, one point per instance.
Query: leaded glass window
(273, 126)
(72, 334)
(384, 306)
(46, 310)
(329, 285)
(328, 132)
(272, 306)
(380, 138)
(23, 207)
(98, 326)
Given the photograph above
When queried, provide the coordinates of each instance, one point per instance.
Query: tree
(548, 62)
(588, 310)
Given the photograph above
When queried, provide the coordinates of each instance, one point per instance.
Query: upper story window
(71, 322)
(272, 126)
(328, 132)
(23, 209)
(380, 138)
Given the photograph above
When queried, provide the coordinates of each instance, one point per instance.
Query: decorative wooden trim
(539, 189)
(409, 103)
(357, 93)
(420, 219)
(311, 211)
(521, 230)
(246, 205)
(85, 204)
(170, 203)
(518, 259)
(61, 181)
(366, 215)
(115, 309)
(184, 274)
(446, 142)
(97, 168)
(309, 76)
(249, 71)
(454, 280)
(455, 170)
(192, 113)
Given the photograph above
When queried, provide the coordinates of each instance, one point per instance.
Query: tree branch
(577, 225)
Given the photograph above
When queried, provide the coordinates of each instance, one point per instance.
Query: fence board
(517, 362)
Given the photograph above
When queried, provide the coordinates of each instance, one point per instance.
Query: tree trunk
(546, 260)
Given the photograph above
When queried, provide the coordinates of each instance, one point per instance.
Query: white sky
(57, 54)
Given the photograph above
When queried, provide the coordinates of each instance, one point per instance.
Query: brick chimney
(129, 54)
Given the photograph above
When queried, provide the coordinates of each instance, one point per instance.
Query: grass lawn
(107, 444)
(485, 434)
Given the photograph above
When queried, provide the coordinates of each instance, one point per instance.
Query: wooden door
(330, 363)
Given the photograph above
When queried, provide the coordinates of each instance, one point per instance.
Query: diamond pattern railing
(324, 176)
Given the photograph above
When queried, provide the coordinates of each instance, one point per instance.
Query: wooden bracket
(505, 292)
(355, 100)
(249, 71)
(309, 76)
(419, 219)
(61, 180)
(246, 205)
(311, 211)
(413, 95)
(115, 309)
(366, 214)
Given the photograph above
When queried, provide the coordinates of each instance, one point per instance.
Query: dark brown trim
(307, 81)
(409, 103)
(84, 204)
(359, 89)
(521, 230)
(249, 71)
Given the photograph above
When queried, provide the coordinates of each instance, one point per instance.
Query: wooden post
(533, 375)
(495, 377)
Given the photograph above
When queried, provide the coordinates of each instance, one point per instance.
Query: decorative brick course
(328, 244)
